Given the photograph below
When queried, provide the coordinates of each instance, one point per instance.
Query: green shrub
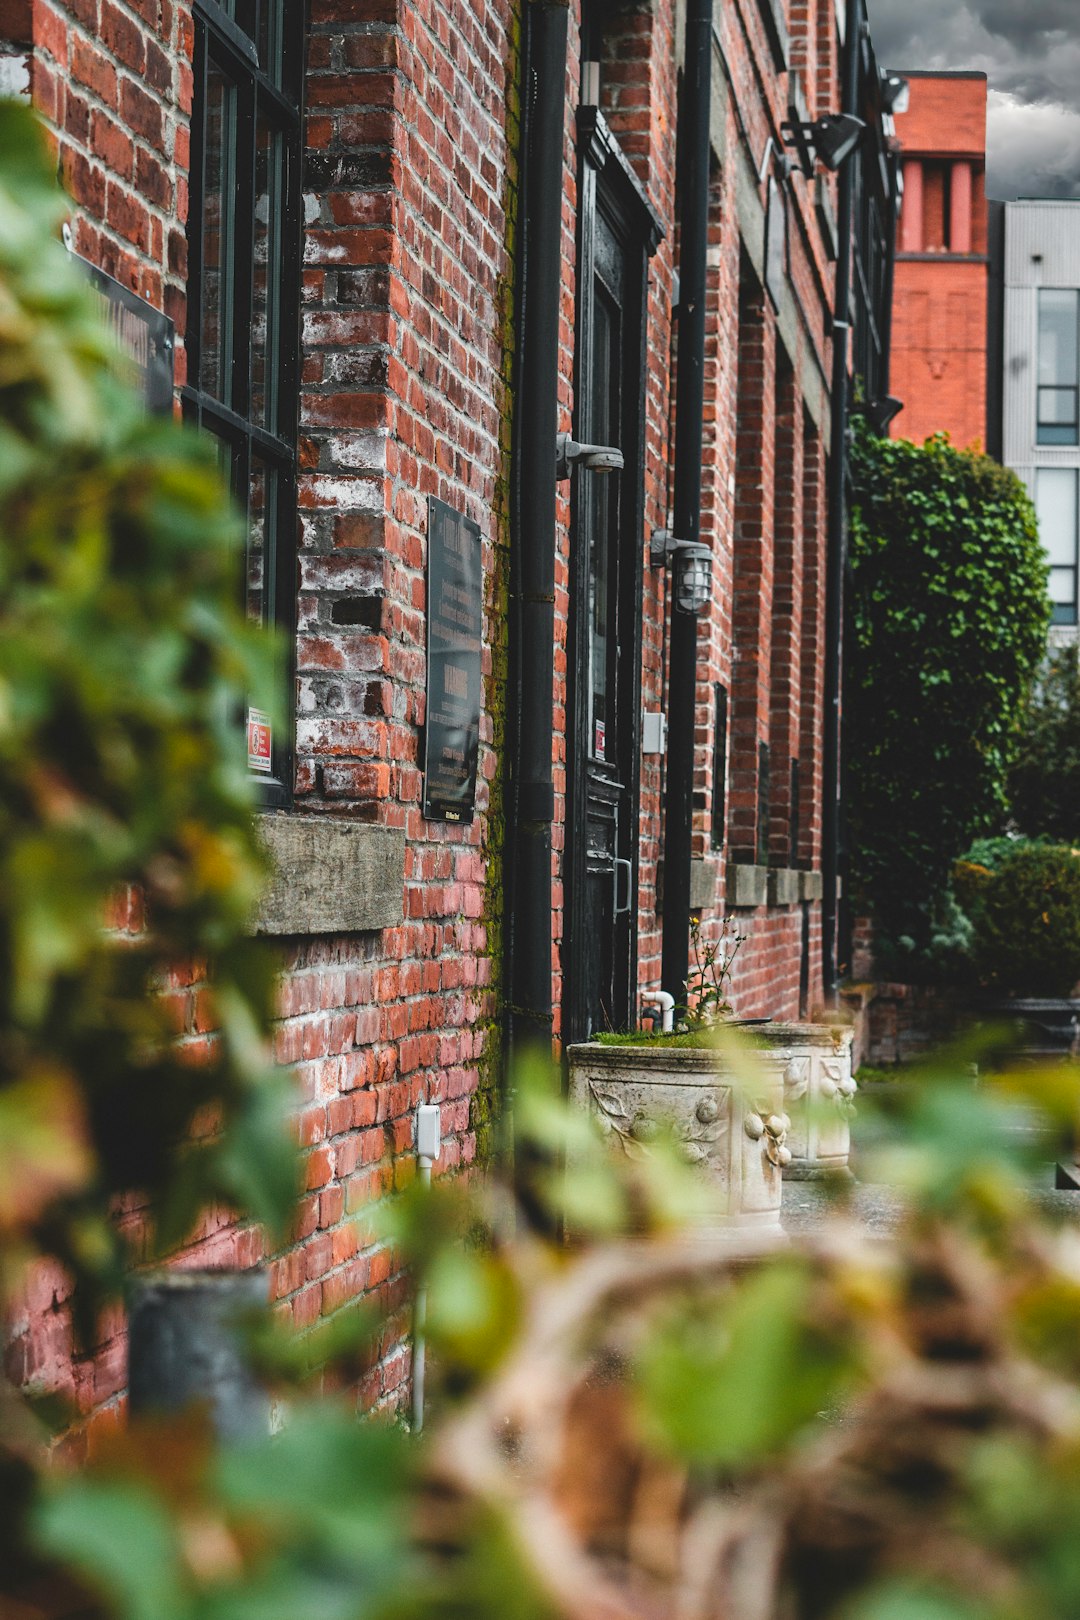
(947, 625)
(939, 954)
(993, 852)
(1044, 780)
(1026, 920)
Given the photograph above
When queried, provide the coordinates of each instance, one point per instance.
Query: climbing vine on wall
(947, 621)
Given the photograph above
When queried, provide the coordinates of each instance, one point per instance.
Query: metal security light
(690, 562)
(828, 140)
(594, 457)
(895, 93)
(880, 412)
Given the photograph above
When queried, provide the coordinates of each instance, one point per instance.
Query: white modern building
(1040, 420)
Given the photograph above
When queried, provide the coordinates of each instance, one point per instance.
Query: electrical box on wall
(653, 732)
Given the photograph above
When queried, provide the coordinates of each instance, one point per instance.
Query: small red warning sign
(260, 742)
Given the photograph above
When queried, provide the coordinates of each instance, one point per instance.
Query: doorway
(618, 231)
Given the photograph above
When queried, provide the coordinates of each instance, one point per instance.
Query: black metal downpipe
(686, 496)
(531, 798)
(837, 532)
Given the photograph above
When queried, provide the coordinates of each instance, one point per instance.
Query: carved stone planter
(819, 1096)
(733, 1134)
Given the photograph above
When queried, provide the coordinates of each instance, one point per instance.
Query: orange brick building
(942, 268)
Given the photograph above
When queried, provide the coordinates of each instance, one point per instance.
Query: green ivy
(125, 665)
(947, 624)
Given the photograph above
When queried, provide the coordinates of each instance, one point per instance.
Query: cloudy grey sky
(1030, 49)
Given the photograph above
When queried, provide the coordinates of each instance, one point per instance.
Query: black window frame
(228, 41)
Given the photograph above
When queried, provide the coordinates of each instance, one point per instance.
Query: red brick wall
(409, 188)
(410, 197)
(638, 98)
(940, 296)
(753, 565)
(764, 512)
(114, 82)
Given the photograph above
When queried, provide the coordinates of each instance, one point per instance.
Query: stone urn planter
(819, 1096)
(733, 1133)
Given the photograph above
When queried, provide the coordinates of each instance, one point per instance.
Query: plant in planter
(719, 1095)
(710, 976)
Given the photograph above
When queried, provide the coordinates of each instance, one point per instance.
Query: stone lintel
(331, 876)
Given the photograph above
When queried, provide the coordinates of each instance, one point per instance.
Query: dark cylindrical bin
(186, 1344)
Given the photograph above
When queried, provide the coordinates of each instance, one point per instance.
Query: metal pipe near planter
(819, 1094)
(187, 1344)
(732, 1133)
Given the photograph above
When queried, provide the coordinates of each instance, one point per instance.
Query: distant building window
(244, 247)
(1058, 419)
(1056, 504)
(936, 207)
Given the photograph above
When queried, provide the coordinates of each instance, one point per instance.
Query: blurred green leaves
(129, 861)
(731, 1381)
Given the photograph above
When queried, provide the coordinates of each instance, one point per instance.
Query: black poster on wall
(144, 335)
(454, 627)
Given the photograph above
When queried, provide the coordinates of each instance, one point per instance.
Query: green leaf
(729, 1385)
(903, 1600)
(123, 1540)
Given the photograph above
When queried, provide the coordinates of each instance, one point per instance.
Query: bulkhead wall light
(880, 412)
(570, 453)
(693, 577)
(690, 562)
(828, 140)
(895, 93)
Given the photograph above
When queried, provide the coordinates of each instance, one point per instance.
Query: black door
(617, 234)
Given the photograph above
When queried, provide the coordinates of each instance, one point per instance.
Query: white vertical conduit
(428, 1147)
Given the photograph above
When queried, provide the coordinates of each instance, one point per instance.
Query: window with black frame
(1057, 416)
(244, 252)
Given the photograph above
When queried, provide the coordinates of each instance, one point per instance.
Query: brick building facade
(341, 216)
(939, 340)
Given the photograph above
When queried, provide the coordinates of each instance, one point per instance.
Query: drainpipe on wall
(530, 788)
(837, 528)
(686, 494)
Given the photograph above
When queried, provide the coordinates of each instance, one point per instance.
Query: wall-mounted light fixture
(569, 453)
(782, 160)
(828, 140)
(880, 412)
(690, 562)
(895, 93)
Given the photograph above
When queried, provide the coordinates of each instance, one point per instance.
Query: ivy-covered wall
(947, 622)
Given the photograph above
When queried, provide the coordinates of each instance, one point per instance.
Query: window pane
(1063, 595)
(262, 524)
(601, 511)
(1055, 503)
(242, 13)
(218, 236)
(1057, 405)
(1057, 337)
(271, 38)
(266, 302)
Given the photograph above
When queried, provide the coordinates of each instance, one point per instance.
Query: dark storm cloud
(1030, 51)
